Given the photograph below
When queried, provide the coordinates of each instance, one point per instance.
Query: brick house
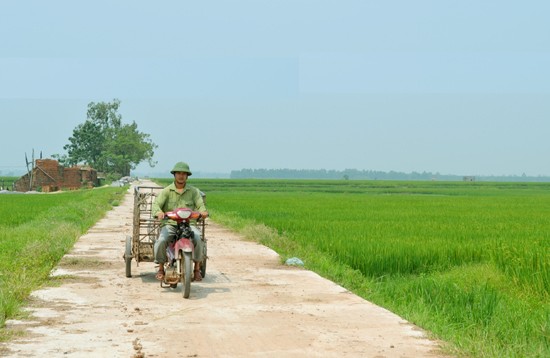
(48, 176)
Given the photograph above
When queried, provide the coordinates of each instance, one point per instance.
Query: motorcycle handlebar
(173, 215)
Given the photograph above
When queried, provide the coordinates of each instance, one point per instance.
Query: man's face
(180, 178)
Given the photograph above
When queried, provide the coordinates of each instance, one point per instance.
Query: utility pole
(31, 171)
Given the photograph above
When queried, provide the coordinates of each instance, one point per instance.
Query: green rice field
(467, 261)
(36, 230)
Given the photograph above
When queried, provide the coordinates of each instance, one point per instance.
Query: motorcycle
(179, 267)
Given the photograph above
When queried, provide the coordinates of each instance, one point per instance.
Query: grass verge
(471, 307)
(34, 242)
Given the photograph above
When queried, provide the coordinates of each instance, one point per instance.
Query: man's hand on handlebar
(202, 215)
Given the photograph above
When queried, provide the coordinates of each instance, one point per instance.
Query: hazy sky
(455, 87)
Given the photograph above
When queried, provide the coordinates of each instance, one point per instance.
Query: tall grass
(469, 262)
(36, 231)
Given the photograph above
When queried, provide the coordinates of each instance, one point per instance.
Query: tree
(126, 147)
(106, 144)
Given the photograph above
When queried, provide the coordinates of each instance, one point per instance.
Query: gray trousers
(167, 235)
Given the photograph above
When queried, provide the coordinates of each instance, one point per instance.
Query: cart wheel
(128, 256)
(203, 262)
(187, 267)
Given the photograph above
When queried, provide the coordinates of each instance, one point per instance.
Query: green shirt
(170, 199)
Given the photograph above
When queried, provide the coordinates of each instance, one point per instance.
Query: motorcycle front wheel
(186, 267)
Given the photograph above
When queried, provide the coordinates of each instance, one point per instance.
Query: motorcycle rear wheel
(203, 262)
(186, 268)
(128, 256)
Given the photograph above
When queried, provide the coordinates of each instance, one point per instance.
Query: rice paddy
(469, 262)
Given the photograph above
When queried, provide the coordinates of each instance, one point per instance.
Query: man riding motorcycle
(178, 195)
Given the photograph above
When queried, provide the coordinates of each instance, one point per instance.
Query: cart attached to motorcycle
(145, 232)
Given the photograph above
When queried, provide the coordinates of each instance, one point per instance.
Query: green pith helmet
(181, 167)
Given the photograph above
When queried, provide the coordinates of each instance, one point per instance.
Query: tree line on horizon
(355, 174)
